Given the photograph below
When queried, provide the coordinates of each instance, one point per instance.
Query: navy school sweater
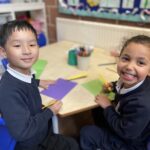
(20, 106)
(132, 124)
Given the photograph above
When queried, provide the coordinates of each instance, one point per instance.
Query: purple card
(59, 89)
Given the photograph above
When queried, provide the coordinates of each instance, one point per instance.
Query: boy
(20, 101)
(127, 126)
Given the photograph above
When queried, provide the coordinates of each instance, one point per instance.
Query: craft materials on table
(107, 64)
(39, 66)
(96, 87)
(85, 51)
(59, 89)
(78, 76)
(49, 104)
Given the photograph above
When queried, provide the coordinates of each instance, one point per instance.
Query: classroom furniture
(4, 62)
(79, 100)
(18, 9)
(6, 141)
(148, 144)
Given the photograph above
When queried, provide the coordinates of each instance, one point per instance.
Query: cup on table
(83, 62)
(72, 57)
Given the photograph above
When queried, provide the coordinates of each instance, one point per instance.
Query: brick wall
(51, 12)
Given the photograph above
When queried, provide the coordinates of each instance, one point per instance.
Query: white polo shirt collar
(122, 90)
(21, 76)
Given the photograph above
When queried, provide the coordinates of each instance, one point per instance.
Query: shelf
(36, 9)
(4, 8)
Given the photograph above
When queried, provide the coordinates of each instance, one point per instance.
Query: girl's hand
(55, 107)
(114, 53)
(45, 83)
(107, 87)
(102, 100)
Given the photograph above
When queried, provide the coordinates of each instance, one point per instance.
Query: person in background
(126, 125)
(20, 100)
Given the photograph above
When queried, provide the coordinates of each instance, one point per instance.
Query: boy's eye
(17, 45)
(33, 44)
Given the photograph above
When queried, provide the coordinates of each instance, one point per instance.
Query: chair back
(6, 141)
(148, 144)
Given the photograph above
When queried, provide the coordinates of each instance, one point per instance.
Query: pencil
(82, 75)
(49, 104)
(111, 70)
(106, 64)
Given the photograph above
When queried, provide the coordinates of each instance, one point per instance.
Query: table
(79, 99)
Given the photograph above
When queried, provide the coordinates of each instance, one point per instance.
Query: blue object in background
(5, 1)
(6, 141)
(5, 62)
(41, 39)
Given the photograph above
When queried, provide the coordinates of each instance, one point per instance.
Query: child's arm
(45, 83)
(55, 107)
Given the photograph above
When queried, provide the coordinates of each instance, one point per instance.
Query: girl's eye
(124, 58)
(141, 63)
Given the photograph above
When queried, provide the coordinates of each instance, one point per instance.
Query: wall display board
(127, 10)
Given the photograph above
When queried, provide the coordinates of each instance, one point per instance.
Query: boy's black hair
(139, 39)
(8, 28)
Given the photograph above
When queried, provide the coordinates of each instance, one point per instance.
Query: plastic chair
(4, 62)
(41, 39)
(6, 141)
(148, 144)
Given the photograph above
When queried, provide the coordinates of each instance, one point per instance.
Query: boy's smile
(22, 50)
(134, 64)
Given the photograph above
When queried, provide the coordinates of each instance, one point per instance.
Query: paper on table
(95, 87)
(39, 67)
(59, 89)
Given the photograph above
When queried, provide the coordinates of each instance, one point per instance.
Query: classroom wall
(52, 13)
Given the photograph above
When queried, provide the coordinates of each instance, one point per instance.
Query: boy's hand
(45, 83)
(56, 107)
(102, 100)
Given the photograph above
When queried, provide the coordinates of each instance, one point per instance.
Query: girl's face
(134, 64)
(22, 50)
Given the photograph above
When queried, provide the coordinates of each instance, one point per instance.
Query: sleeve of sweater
(131, 122)
(21, 123)
(37, 82)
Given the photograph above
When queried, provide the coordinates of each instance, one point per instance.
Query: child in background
(20, 101)
(127, 125)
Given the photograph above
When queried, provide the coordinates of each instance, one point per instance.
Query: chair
(5, 62)
(148, 144)
(6, 141)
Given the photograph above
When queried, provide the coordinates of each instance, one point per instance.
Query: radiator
(106, 36)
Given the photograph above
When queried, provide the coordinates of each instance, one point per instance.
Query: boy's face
(22, 50)
(134, 64)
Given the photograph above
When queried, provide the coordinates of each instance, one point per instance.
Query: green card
(39, 67)
(95, 87)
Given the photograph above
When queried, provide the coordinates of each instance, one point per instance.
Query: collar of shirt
(21, 76)
(122, 90)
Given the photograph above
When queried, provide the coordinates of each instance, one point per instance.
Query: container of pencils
(72, 57)
(83, 58)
